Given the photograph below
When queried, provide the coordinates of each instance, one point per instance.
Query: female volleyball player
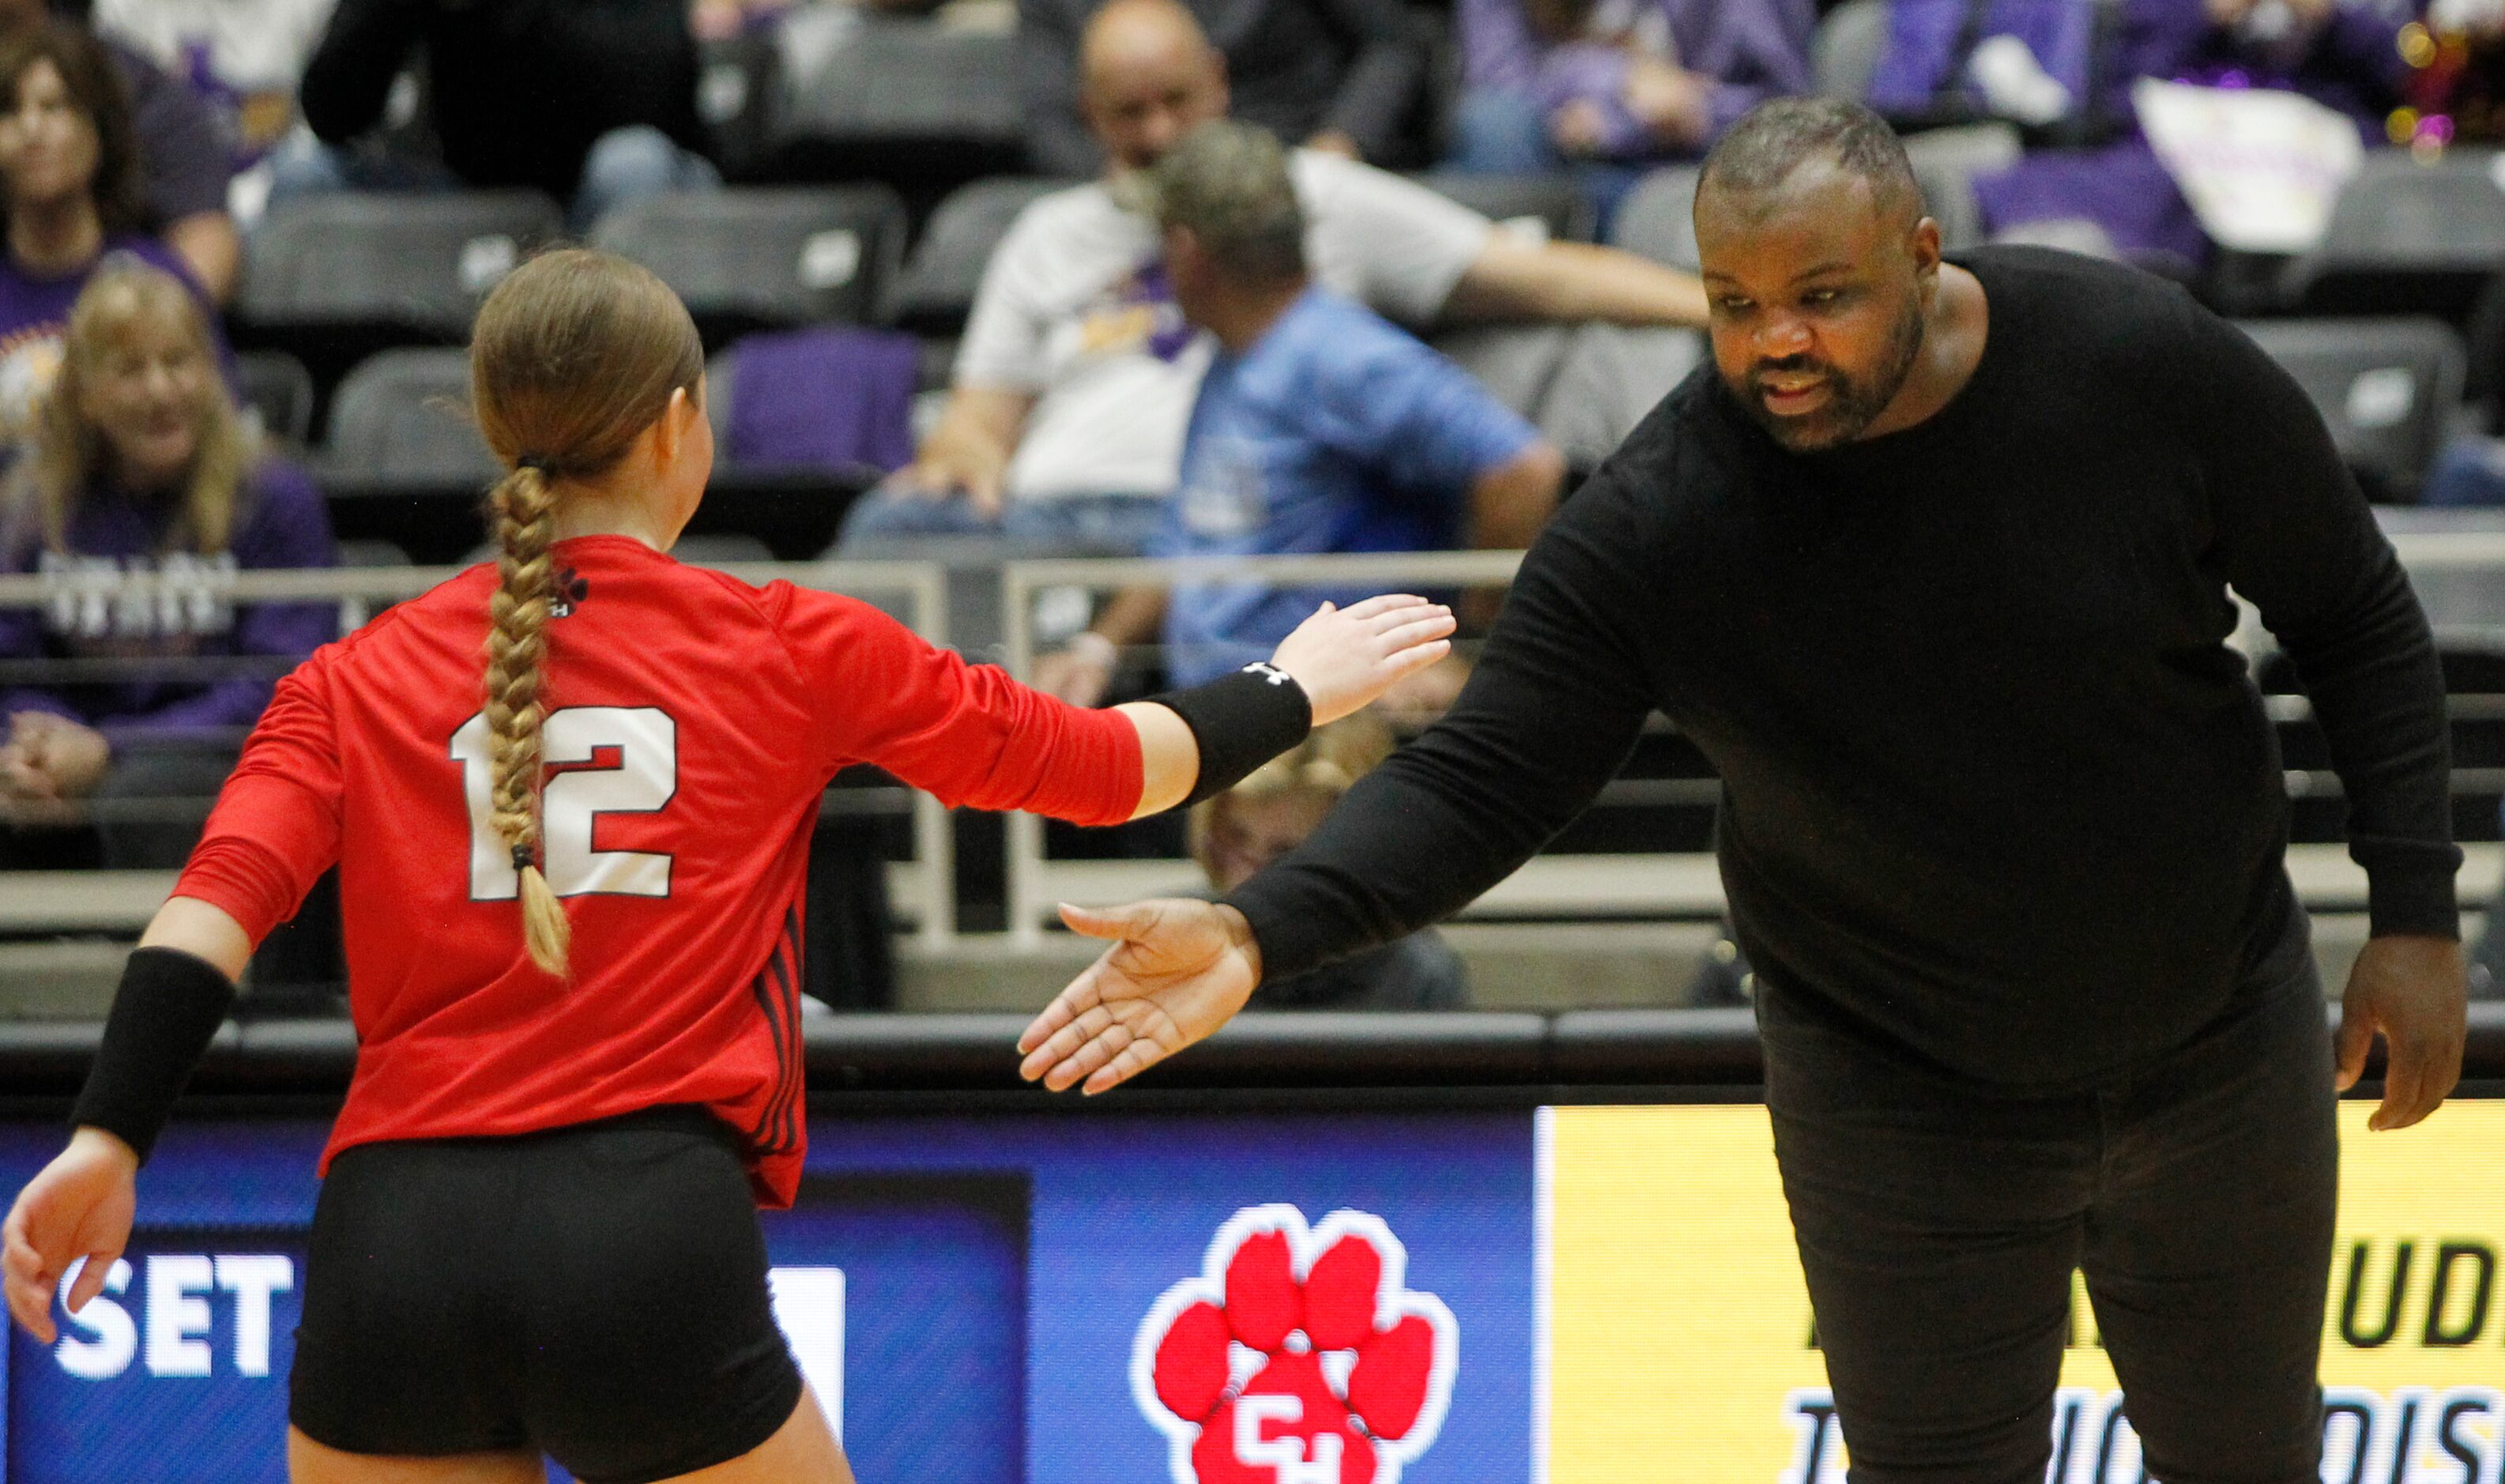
(573, 905)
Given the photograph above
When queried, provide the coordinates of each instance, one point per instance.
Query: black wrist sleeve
(169, 1008)
(1241, 721)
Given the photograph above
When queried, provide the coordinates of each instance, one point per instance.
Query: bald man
(1932, 564)
(1342, 75)
(1064, 429)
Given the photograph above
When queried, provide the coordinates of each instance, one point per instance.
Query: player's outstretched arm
(1341, 659)
(1179, 970)
(173, 996)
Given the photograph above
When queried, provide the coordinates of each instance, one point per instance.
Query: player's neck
(587, 510)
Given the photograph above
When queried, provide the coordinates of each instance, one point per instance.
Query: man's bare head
(1147, 75)
(1819, 266)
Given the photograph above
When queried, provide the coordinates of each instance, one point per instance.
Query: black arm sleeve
(1384, 75)
(2295, 537)
(1551, 714)
(349, 78)
(1057, 141)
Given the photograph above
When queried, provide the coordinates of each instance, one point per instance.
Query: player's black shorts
(597, 1292)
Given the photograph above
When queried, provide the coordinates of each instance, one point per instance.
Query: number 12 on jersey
(645, 777)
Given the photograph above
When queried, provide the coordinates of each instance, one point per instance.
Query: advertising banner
(1313, 1298)
(1584, 1295)
(1681, 1334)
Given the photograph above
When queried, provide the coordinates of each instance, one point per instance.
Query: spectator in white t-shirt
(243, 58)
(1064, 429)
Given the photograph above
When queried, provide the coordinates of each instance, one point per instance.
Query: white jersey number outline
(644, 781)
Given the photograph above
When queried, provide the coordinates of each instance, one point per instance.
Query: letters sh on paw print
(1298, 1356)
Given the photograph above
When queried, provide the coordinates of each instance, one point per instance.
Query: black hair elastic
(524, 857)
(543, 463)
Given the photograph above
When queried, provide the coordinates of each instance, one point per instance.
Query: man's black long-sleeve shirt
(1995, 788)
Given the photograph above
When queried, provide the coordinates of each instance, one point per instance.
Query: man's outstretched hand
(2413, 990)
(1179, 970)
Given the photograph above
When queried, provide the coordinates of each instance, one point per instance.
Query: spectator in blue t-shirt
(1320, 427)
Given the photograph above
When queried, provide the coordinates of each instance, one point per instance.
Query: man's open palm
(1177, 971)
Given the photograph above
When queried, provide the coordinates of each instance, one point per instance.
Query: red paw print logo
(1298, 1356)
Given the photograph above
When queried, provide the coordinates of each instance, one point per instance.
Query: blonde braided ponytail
(525, 516)
(574, 355)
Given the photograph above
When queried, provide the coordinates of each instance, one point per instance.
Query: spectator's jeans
(1939, 1223)
(1497, 131)
(899, 524)
(1074, 525)
(2469, 471)
(624, 164)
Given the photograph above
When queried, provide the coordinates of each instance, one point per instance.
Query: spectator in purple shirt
(2341, 53)
(184, 166)
(69, 185)
(140, 466)
(1612, 85)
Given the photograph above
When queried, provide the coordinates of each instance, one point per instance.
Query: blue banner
(1319, 1298)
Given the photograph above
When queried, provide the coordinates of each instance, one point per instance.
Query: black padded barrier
(1358, 1055)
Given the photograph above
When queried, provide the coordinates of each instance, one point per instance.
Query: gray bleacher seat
(1948, 197)
(400, 420)
(1554, 201)
(2406, 237)
(1657, 220)
(737, 83)
(275, 387)
(936, 290)
(1845, 49)
(416, 263)
(2387, 387)
(1515, 362)
(721, 385)
(1610, 377)
(720, 548)
(2466, 606)
(745, 258)
(911, 78)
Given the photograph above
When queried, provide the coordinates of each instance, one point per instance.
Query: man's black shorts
(596, 1292)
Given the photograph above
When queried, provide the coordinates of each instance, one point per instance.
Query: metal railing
(1569, 885)
(923, 890)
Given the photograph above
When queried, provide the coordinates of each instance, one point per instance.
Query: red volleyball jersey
(692, 723)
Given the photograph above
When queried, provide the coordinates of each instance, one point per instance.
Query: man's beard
(1852, 404)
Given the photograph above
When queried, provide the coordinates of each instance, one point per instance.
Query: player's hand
(1178, 971)
(2411, 989)
(77, 1206)
(1344, 657)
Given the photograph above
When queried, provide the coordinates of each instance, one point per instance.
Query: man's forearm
(1512, 502)
(1574, 281)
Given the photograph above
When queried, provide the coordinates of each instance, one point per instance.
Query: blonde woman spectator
(140, 466)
